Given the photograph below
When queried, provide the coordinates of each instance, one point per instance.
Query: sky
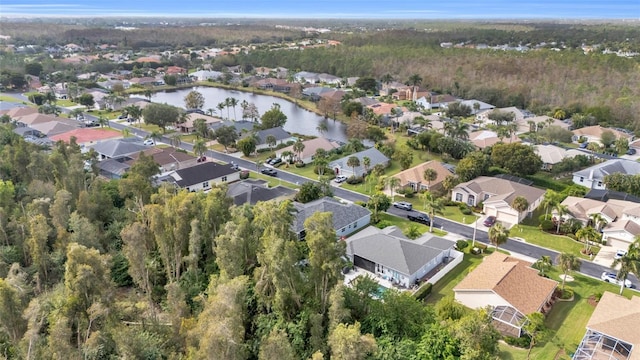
(360, 9)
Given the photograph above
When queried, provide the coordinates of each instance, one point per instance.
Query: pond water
(299, 120)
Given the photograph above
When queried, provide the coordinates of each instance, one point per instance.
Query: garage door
(506, 218)
(364, 264)
(617, 244)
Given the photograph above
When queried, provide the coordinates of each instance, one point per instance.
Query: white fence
(457, 259)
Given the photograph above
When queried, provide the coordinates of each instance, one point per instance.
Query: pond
(299, 120)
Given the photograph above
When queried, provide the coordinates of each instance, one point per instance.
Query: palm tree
(520, 204)
(233, 102)
(562, 210)
(75, 113)
(126, 132)
(259, 164)
(199, 147)
(629, 263)
(386, 79)
(366, 163)
(176, 141)
(567, 262)
(227, 104)
(353, 162)
(271, 141)
(148, 93)
(598, 221)
(550, 201)
(102, 121)
(498, 235)
(320, 164)
(588, 235)
(322, 127)
(155, 135)
(211, 111)
(429, 175)
(221, 107)
(543, 264)
(433, 206)
(392, 183)
(244, 105)
(298, 148)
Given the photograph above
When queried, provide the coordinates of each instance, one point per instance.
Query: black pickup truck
(421, 218)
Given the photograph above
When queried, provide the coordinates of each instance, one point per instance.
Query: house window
(342, 230)
(458, 197)
(187, 189)
(599, 183)
(486, 196)
(471, 200)
(581, 178)
(205, 184)
(224, 178)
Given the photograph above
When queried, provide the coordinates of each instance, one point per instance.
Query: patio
(598, 346)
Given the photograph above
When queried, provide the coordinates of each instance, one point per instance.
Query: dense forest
(539, 80)
(121, 269)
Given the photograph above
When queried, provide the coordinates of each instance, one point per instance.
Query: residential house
(202, 177)
(116, 148)
(19, 111)
(389, 254)
(278, 133)
(55, 127)
(551, 155)
(413, 178)
(306, 76)
(622, 218)
(168, 158)
(365, 101)
(241, 126)
(594, 134)
(252, 191)
(205, 75)
(143, 81)
(279, 85)
(340, 166)
(612, 330)
(486, 138)
(511, 287)
(436, 101)
(314, 93)
(333, 95)
(593, 177)
(536, 123)
(385, 109)
(496, 196)
(87, 136)
(34, 118)
(347, 218)
(329, 79)
(476, 106)
(605, 195)
(310, 148)
(519, 115)
(188, 126)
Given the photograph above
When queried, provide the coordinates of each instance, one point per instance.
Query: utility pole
(475, 228)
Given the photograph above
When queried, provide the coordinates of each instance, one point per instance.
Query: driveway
(605, 256)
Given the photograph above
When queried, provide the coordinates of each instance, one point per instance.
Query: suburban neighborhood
(180, 177)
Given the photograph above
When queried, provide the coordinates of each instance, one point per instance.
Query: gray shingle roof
(119, 147)
(253, 191)
(343, 214)
(599, 171)
(278, 132)
(373, 154)
(201, 173)
(392, 251)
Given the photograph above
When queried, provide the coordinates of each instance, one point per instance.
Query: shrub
(522, 342)
(408, 195)
(547, 225)
(327, 171)
(279, 164)
(300, 164)
(244, 174)
(423, 292)
(481, 246)
(353, 180)
(544, 217)
(383, 224)
(263, 150)
(361, 203)
(461, 244)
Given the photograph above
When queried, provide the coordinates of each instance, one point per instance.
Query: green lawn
(403, 224)
(444, 287)
(273, 181)
(561, 243)
(13, 99)
(454, 213)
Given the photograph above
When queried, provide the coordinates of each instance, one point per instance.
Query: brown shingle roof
(501, 189)
(415, 174)
(597, 130)
(514, 280)
(619, 317)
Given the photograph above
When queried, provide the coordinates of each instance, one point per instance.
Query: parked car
(403, 205)
(274, 161)
(584, 145)
(421, 218)
(489, 221)
(619, 254)
(631, 152)
(340, 179)
(270, 172)
(612, 278)
(149, 142)
(234, 166)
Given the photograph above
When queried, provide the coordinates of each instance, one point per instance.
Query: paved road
(520, 247)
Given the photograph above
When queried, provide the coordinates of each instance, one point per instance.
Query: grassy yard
(566, 321)
(454, 213)
(561, 243)
(403, 224)
(8, 98)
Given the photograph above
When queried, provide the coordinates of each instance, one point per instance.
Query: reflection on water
(299, 120)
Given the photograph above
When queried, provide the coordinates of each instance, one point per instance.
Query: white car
(619, 254)
(340, 179)
(149, 142)
(612, 278)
